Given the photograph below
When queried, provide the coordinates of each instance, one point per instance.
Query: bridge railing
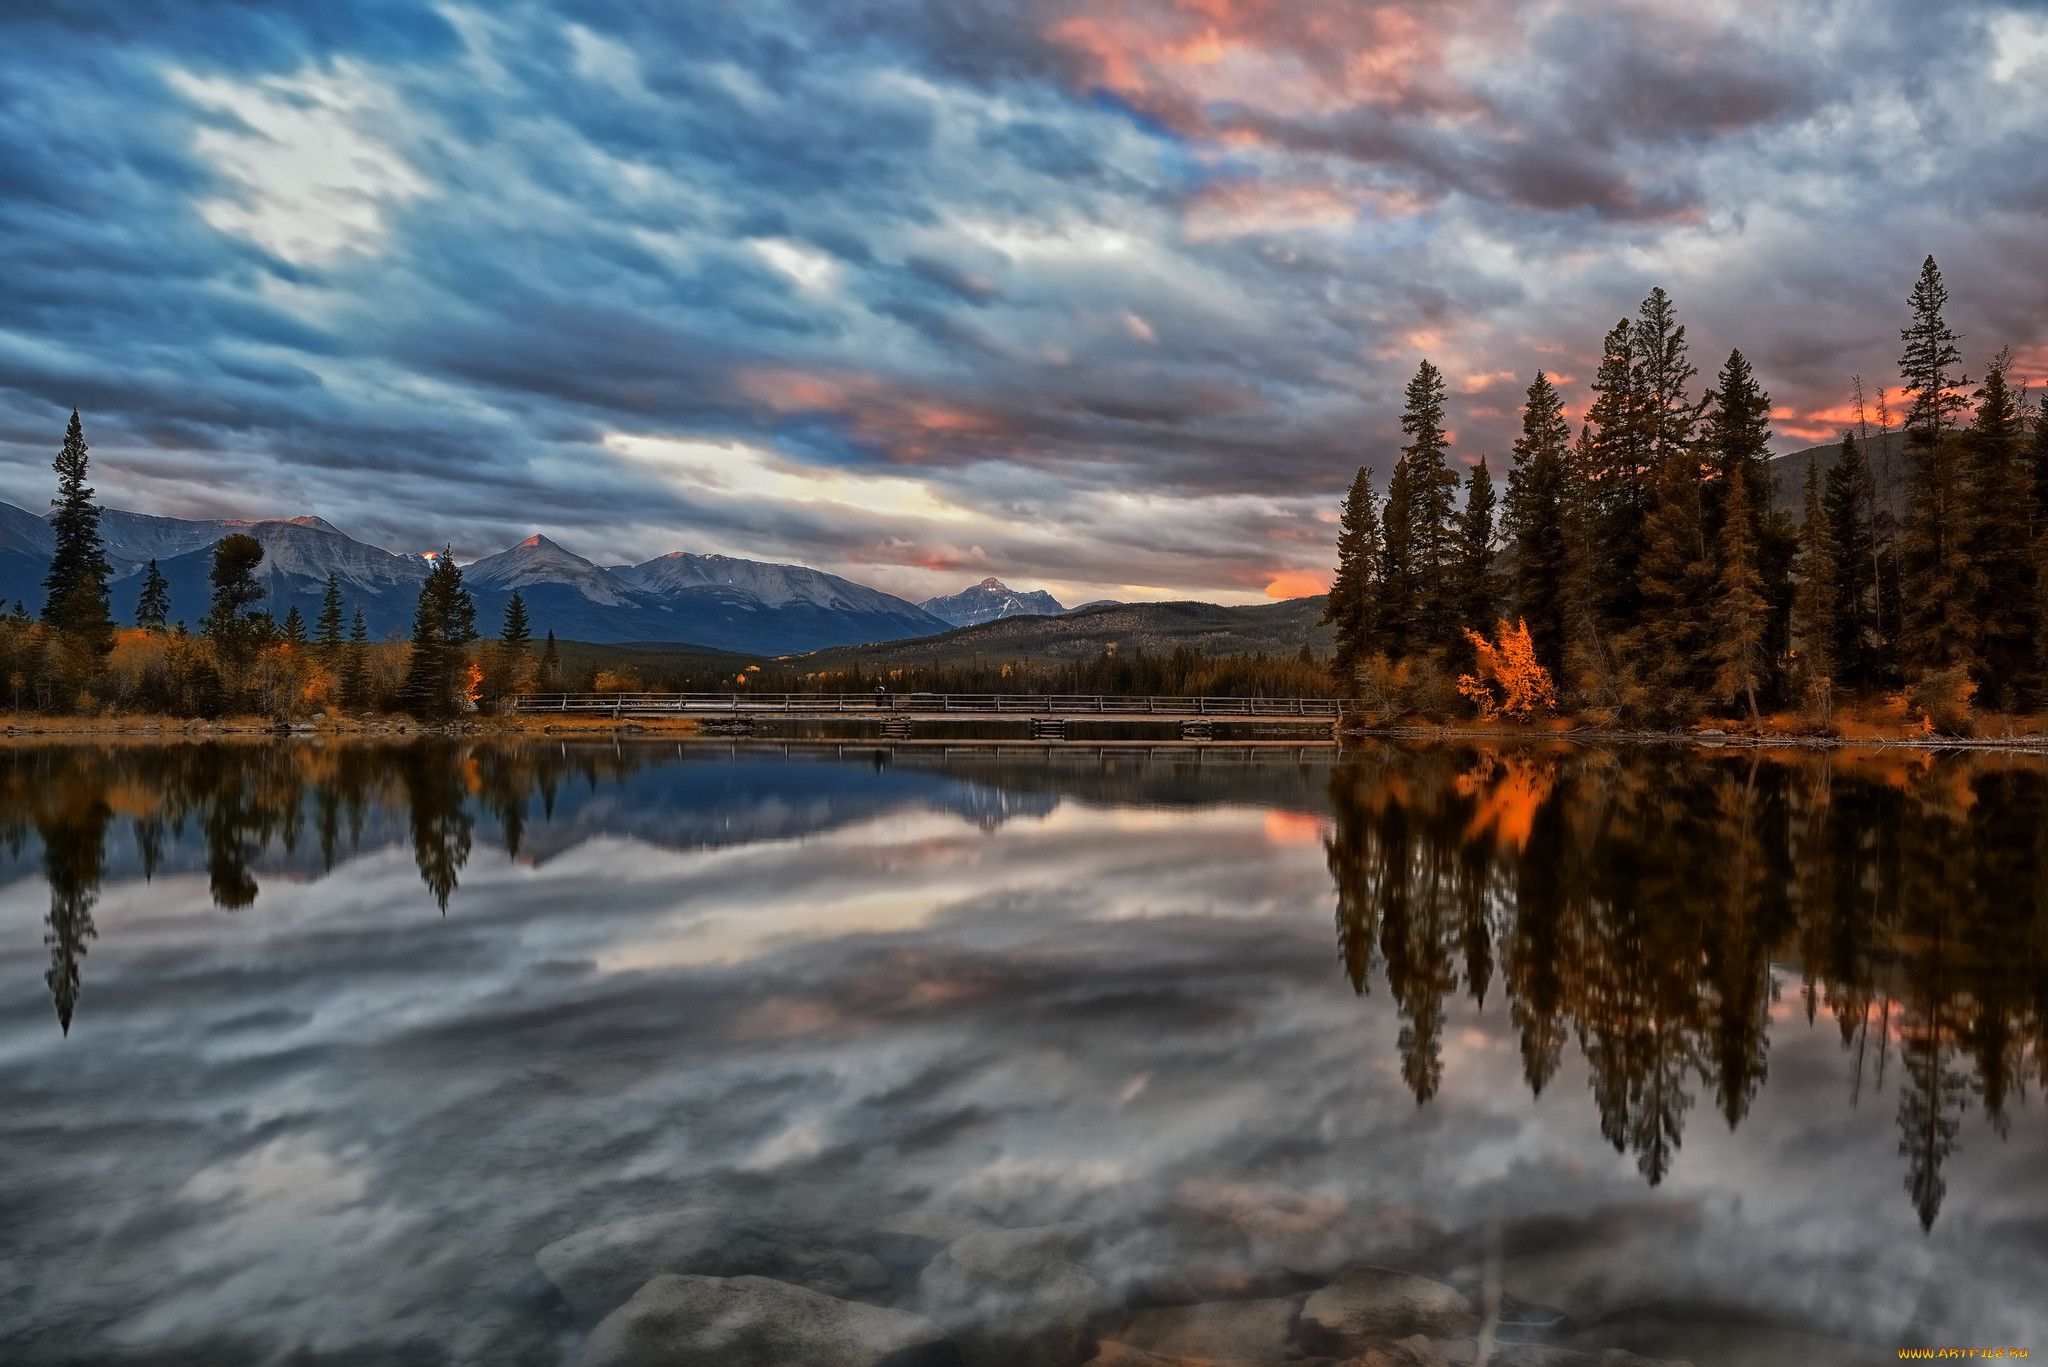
(870, 704)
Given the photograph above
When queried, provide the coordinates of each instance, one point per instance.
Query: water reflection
(1635, 902)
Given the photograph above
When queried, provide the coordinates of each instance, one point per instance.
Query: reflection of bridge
(1047, 714)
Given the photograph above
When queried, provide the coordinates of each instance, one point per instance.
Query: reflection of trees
(1637, 902)
(244, 803)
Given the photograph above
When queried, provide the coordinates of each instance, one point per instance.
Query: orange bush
(1510, 682)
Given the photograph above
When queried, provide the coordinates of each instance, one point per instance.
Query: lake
(1728, 1056)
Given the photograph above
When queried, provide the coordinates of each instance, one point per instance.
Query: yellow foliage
(1510, 682)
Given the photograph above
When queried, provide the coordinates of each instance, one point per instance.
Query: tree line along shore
(1636, 575)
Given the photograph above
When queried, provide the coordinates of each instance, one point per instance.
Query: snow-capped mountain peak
(990, 600)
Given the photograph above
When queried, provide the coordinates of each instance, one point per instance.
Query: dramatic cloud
(1109, 297)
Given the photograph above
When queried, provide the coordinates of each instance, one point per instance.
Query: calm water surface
(306, 1050)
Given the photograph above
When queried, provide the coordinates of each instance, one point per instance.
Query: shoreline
(166, 729)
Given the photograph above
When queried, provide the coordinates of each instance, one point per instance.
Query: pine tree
(77, 601)
(1937, 625)
(1998, 487)
(437, 677)
(235, 631)
(1353, 600)
(355, 664)
(1670, 641)
(1474, 592)
(1739, 609)
(1738, 434)
(1929, 362)
(1855, 653)
(155, 603)
(1662, 372)
(327, 626)
(1432, 512)
(295, 628)
(1815, 629)
(516, 633)
(550, 664)
(1534, 518)
(1614, 458)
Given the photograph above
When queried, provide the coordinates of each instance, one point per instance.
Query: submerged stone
(1014, 1297)
(1366, 1306)
(692, 1321)
(597, 1269)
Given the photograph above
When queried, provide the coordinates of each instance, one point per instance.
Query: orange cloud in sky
(1295, 584)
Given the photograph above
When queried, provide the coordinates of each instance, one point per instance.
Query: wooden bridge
(1047, 713)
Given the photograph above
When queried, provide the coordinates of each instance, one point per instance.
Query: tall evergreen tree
(1670, 641)
(76, 603)
(1353, 601)
(2038, 455)
(437, 677)
(550, 663)
(1432, 510)
(1738, 434)
(155, 603)
(1856, 651)
(327, 626)
(1740, 610)
(1937, 616)
(1476, 595)
(515, 633)
(1615, 459)
(295, 627)
(1535, 520)
(235, 630)
(1395, 610)
(1815, 627)
(355, 663)
(1929, 362)
(1662, 372)
(1998, 487)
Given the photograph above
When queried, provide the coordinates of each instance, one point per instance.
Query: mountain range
(714, 601)
(989, 600)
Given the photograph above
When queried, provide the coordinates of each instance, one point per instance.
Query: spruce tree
(1815, 626)
(355, 664)
(1662, 372)
(1432, 512)
(1353, 601)
(1998, 487)
(295, 628)
(1475, 594)
(1616, 463)
(2038, 456)
(515, 633)
(1535, 520)
(1669, 643)
(76, 603)
(437, 677)
(236, 632)
(1937, 619)
(1855, 653)
(551, 663)
(1394, 611)
(327, 626)
(1929, 361)
(1739, 610)
(155, 603)
(1738, 434)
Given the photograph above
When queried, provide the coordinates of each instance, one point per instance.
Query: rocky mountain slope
(989, 601)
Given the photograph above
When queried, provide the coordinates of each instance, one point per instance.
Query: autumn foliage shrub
(1510, 682)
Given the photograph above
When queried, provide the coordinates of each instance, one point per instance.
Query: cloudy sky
(1109, 297)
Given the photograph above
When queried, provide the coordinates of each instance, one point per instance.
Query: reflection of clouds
(336, 1121)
